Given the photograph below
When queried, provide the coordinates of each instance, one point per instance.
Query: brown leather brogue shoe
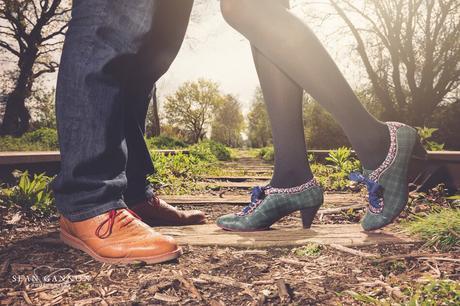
(119, 237)
(156, 212)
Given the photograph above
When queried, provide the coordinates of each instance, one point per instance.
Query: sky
(213, 50)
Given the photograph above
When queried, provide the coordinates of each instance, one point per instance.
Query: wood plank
(346, 235)
(236, 178)
(246, 171)
(33, 157)
(11, 158)
(452, 156)
(330, 199)
(241, 165)
(233, 185)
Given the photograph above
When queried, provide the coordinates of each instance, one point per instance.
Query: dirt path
(35, 268)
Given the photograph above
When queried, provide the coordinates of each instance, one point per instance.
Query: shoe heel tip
(308, 215)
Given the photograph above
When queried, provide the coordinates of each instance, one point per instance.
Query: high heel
(269, 204)
(387, 185)
(308, 215)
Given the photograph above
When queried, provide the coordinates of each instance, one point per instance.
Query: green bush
(44, 139)
(342, 161)
(178, 173)
(33, 194)
(267, 154)
(426, 134)
(334, 175)
(44, 136)
(321, 130)
(218, 150)
(165, 142)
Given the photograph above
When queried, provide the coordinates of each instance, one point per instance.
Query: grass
(440, 229)
(43, 139)
(311, 249)
(429, 293)
(175, 174)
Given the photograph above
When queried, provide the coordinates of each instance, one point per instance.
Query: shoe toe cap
(373, 222)
(227, 222)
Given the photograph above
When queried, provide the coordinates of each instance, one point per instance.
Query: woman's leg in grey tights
(289, 44)
(283, 98)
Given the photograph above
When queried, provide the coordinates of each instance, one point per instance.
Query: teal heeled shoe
(387, 185)
(269, 205)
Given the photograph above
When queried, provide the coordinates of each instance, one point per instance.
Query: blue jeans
(110, 63)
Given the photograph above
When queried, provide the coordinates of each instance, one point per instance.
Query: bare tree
(410, 50)
(31, 31)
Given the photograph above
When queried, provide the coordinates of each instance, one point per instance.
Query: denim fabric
(104, 85)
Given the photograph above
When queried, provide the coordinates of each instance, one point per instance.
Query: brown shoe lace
(111, 220)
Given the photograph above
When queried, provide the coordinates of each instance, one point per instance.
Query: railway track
(438, 167)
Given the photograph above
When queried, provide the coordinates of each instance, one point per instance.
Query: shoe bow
(375, 191)
(257, 195)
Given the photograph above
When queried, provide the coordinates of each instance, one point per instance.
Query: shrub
(165, 142)
(44, 139)
(218, 150)
(267, 154)
(342, 161)
(178, 173)
(47, 137)
(426, 134)
(31, 194)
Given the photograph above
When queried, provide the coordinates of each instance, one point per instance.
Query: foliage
(42, 107)
(334, 176)
(426, 134)
(432, 292)
(439, 229)
(44, 139)
(32, 31)
(192, 107)
(267, 154)
(228, 122)
(342, 161)
(259, 130)
(310, 249)
(177, 174)
(410, 50)
(321, 130)
(446, 119)
(435, 292)
(31, 194)
(208, 147)
(165, 142)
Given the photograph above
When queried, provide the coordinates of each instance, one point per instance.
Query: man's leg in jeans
(170, 23)
(99, 62)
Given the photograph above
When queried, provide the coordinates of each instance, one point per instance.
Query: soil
(35, 268)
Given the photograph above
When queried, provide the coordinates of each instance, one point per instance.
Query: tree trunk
(16, 119)
(156, 129)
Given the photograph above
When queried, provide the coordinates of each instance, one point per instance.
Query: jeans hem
(147, 194)
(96, 211)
